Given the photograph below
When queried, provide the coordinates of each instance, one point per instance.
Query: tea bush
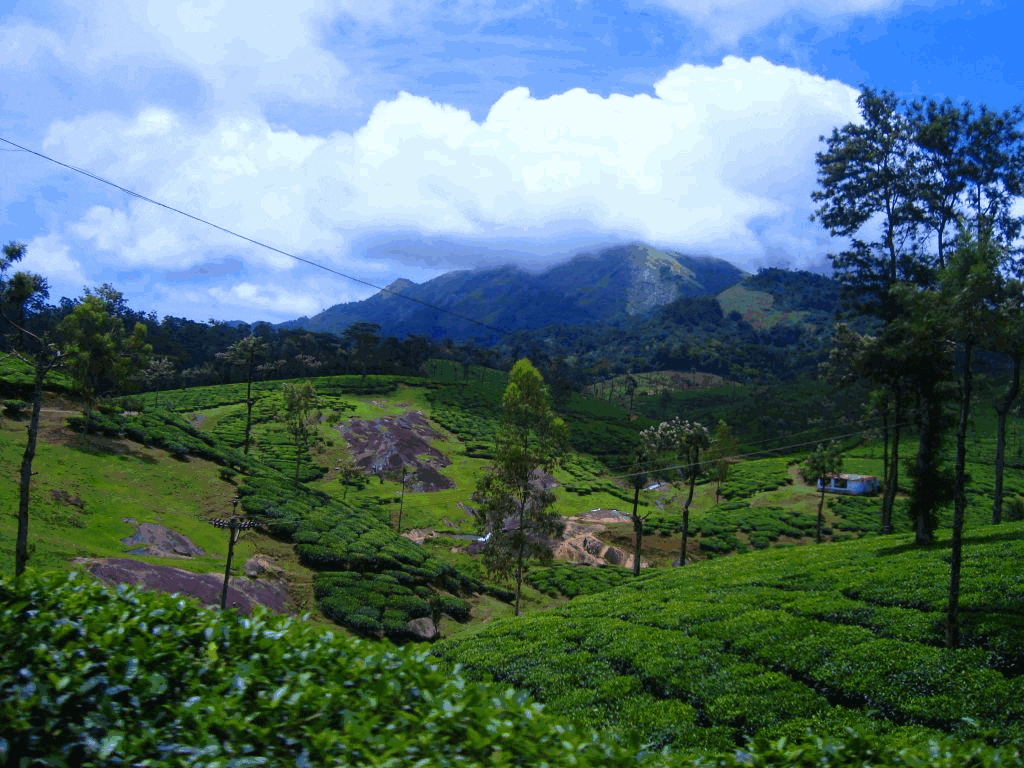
(823, 637)
(573, 580)
(90, 676)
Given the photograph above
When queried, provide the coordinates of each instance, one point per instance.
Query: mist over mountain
(606, 286)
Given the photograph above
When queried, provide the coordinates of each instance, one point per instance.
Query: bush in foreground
(90, 676)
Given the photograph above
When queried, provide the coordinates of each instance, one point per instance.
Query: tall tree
(680, 445)
(156, 374)
(638, 469)
(301, 417)
(361, 340)
(720, 456)
(870, 178)
(970, 293)
(819, 466)
(1009, 340)
(514, 507)
(101, 355)
(246, 352)
(44, 358)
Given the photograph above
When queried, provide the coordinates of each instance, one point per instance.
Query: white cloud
(720, 160)
(242, 297)
(727, 21)
(50, 257)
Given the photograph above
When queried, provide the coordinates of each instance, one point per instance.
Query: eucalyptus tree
(722, 453)
(870, 177)
(45, 357)
(301, 417)
(679, 445)
(514, 508)
(156, 374)
(639, 470)
(1009, 340)
(971, 291)
(246, 352)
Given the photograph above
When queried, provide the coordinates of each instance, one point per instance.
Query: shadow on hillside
(98, 445)
(991, 538)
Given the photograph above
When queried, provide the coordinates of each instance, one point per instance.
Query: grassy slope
(756, 307)
(762, 504)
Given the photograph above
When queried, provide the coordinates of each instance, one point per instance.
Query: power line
(261, 244)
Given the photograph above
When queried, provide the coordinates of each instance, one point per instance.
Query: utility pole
(401, 502)
(235, 527)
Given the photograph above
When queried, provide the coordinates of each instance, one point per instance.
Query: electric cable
(310, 262)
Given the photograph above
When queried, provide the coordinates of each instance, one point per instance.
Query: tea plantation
(775, 644)
(787, 654)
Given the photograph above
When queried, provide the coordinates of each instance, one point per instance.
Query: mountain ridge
(612, 284)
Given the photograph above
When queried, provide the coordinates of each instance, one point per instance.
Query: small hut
(854, 485)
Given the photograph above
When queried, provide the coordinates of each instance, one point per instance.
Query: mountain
(608, 286)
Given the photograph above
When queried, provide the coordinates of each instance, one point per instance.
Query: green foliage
(99, 354)
(15, 409)
(570, 580)
(513, 509)
(779, 642)
(856, 749)
(754, 476)
(17, 376)
(94, 677)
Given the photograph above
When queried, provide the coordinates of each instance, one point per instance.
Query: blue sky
(404, 139)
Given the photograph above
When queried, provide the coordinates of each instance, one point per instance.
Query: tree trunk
(638, 530)
(924, 501)
(821, 503)
(686, 517)
(892, 480)
(885, 444)
(959, 505)
(248, 410)
(1003, 410)
(21, 544)
(519, 569)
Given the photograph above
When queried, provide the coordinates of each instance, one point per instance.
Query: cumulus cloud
(719, 160)
(729, 20)
(50, 256)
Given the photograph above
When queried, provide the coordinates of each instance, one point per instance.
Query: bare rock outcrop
(423, 629)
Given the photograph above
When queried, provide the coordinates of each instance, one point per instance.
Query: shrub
(15, 409)
(94, 677)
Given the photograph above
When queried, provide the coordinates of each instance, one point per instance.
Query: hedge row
(574, 580)
(778, 642)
